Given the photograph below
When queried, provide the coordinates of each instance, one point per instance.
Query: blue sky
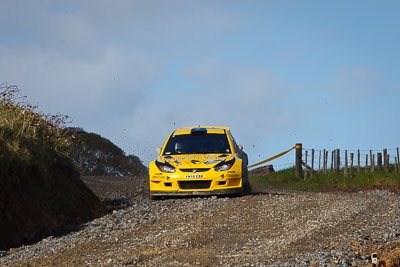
(325, 74)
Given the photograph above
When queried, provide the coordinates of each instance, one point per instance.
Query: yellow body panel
(194, 173)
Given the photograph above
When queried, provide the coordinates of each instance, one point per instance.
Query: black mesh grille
(194, 184)
(197, 170)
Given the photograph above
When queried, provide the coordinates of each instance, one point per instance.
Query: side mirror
(240, 147)
(158, 150)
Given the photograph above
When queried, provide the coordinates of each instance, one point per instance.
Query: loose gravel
(262, 229)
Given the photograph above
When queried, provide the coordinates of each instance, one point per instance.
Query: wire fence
(337, 160)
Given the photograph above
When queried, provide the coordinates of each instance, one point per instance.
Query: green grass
(286, 179)
(29, 140)
(26, 134)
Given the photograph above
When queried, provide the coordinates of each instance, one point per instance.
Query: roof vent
(199, 131)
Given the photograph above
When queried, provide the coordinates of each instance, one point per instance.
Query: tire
(245, 182)
(155, 197)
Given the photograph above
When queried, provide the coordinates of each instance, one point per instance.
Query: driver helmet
(179, 148)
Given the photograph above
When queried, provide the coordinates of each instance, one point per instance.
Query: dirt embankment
(264, 228)
(34, 205)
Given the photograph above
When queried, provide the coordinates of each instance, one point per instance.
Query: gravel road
(263, 229)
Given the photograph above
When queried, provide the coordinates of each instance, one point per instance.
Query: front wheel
(245, 182)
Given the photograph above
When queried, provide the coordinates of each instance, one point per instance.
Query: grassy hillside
(41, 192)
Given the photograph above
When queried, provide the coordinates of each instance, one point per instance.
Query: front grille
(197, 170)
(194, 184)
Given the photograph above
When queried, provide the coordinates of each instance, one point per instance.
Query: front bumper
(198, 193)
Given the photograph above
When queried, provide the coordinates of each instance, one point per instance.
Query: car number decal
(194, 176)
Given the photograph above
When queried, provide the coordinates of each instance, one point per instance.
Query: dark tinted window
(197, 144)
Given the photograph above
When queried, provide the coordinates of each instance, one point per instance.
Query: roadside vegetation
(27, 135)
(41, 192)
(95, 155)
(319, 182)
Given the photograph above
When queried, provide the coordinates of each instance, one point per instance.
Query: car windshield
(197, 144)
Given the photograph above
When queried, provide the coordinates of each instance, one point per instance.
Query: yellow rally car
(199, 161)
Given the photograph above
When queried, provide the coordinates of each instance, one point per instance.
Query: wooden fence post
(379, 160)
(319, 162)
(312, 161)
(372, 159)
(299, 161)
(366, 163)
(398, 159)
(332, 160)
(351, 164)
(395, 164)
(345, 164)
(337, 160)
(386, 163)
(373, 163)
(398, 164)
(305, 165)
(326, 161)
(384, 158)
(359, 161)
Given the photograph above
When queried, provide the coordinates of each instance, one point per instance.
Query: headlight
(165, 167)
(225, 165)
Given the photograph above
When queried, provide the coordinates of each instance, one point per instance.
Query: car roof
(210, 129)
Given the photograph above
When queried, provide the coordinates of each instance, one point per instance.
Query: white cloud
(105, 88)
(79, 57)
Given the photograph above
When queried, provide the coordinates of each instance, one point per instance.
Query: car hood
(195, 160)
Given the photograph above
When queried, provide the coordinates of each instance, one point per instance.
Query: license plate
(194, 176)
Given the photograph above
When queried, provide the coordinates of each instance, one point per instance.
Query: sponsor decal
(158, 177)
(232, 175)
(178, 163)
(208, 162)
(182, 158)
